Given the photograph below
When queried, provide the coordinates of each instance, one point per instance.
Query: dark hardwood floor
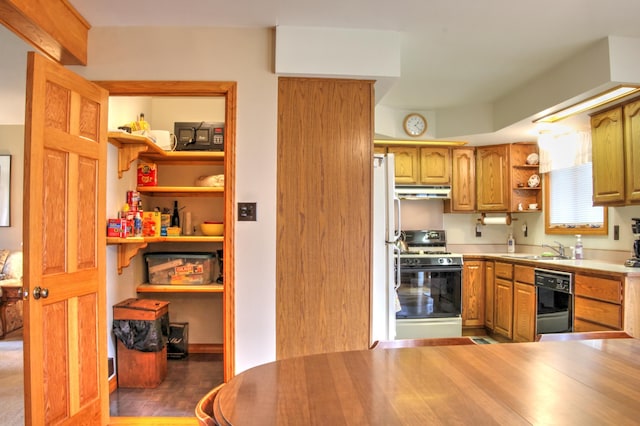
(188, 380)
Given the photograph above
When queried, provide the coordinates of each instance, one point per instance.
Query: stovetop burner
(430, 246)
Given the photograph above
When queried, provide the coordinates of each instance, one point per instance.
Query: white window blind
(570, 198)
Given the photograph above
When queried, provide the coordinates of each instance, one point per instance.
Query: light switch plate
(247, 212)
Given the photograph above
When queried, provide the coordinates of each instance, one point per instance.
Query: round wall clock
(415, 124)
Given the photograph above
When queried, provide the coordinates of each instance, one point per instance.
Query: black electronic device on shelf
(634, 262)
(199, 136)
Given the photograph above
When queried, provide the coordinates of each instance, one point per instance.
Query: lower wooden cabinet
(473, 298)
(503, 316)
(597, 303)
(503, 307)
(489, 290)
(524, 316)
(524, 304)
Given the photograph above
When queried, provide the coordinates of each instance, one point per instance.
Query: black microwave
(199, 136)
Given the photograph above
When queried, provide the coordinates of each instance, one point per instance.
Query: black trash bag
(142, 335)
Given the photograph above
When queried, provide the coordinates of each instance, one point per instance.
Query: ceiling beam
(52, 26)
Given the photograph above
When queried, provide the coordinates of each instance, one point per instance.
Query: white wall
(13, 77)
(12, 143)
(244, 56)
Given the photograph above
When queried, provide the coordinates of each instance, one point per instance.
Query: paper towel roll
(162, 138)
(495, 220)
(188, 228)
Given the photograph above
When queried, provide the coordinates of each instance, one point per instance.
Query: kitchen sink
(538, 257)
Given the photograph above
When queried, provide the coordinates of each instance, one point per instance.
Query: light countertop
(564, 264)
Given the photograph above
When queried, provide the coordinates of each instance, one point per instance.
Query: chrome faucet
(559, 250)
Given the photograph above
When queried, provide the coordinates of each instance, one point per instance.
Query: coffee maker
(634, 262)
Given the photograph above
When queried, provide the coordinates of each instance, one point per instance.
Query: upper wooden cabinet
(421, 165)
(502, 176)
(607, 138)
(379, 149)
(632, 151)
(406, 164)
(463, 181)
(615, 135)
(435, 166)
(492, 176)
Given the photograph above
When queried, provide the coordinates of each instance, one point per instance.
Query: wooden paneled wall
(323, 259)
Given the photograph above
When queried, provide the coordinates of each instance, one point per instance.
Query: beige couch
(10, 281)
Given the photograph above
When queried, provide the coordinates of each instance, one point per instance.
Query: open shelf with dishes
(526, 184)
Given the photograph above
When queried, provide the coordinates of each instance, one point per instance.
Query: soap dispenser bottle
(511, 244)
(577, 250)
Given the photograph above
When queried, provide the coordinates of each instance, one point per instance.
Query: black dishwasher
(554, 301)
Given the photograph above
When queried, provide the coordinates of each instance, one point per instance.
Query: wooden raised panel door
(406, 162)
(463, 180)
(489, 288)
(503, 316)
(324, 216)
(632, 151)
(435, 166)
(524, 312)
(608, 157)
(492, 178)
(473, 297)
(65, 333)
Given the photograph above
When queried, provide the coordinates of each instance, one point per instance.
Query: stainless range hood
(423, 192)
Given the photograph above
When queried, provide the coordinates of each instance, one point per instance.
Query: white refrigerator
(386, 231)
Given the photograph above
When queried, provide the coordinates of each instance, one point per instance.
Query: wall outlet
(616, 232)
(247, 212)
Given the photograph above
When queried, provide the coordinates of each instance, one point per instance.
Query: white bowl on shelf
(532, 159)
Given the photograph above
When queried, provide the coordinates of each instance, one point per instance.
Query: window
(569, 203)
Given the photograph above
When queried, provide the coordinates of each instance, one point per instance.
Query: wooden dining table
(590, 382)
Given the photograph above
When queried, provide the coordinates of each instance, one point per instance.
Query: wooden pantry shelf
(170, 288)
(131, 147)
(129, 247)
(181, 191)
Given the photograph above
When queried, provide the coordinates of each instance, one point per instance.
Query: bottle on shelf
(577, 251)
(137, 225)
(511, 244)
(175, 216)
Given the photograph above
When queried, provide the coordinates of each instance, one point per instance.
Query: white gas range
(430, 287)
